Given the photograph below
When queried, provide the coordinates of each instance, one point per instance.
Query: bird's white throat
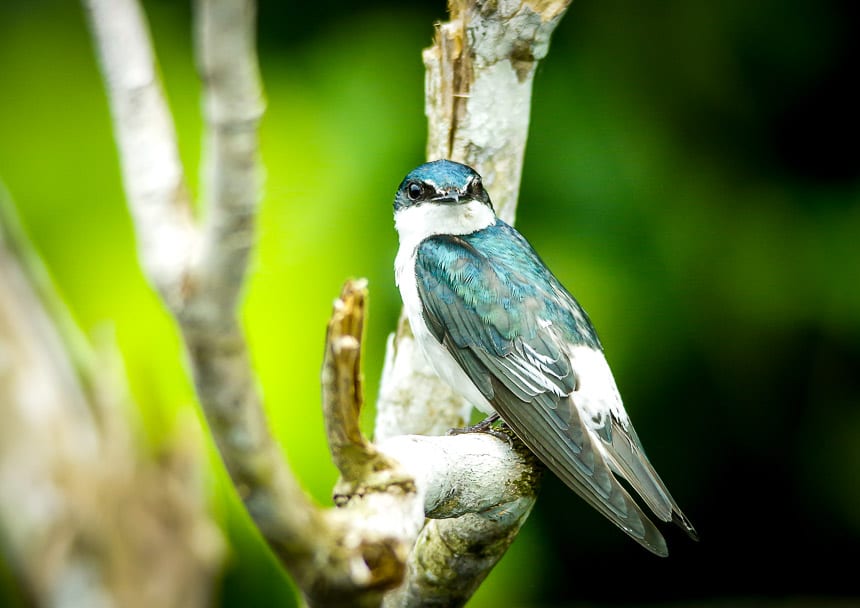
(414, 224)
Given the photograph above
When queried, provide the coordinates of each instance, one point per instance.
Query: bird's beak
(448, 197)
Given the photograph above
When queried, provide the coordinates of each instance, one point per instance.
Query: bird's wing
(492, 313)
(626, 456)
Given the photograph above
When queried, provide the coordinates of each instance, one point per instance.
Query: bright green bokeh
(723, 283)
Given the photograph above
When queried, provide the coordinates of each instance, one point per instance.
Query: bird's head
(441, 182)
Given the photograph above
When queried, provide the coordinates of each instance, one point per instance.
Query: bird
(498, 326)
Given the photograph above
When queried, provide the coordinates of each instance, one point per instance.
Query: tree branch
(477, 100)
(481, 487)
(168, 249)
(152, 173)
(342, 388)
(480, 72)
(200, 279)
(78, 505)
(233, 105)
(479, 493)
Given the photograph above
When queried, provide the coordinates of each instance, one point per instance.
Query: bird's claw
(484, 426)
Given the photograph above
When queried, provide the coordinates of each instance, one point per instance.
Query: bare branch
(468, 473)
(78, 507)
(152, 173)
(333, 562)
(342, 387)
(473, 522)
(202, 293)
(352, 555)
(477, 100)
(233, 104)
(452, 557)
(479, 86)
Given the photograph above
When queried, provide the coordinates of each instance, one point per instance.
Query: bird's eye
(414, 190)
(476, 188)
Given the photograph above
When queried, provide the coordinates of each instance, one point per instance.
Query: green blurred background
(692, 175)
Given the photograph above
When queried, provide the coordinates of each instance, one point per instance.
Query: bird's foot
(484, 426)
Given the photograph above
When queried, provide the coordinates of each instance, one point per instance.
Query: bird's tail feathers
(625, 455)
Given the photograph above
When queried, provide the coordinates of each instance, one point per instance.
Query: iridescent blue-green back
(497, 274)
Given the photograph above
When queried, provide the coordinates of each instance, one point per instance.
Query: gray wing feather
(627, 458)
(529, 383)
(552, 428)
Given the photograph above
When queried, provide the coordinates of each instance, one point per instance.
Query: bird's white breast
(414, 224)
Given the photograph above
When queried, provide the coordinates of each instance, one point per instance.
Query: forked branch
(481, 490)
(199, 270)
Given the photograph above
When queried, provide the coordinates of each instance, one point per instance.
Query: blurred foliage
(692, 176)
